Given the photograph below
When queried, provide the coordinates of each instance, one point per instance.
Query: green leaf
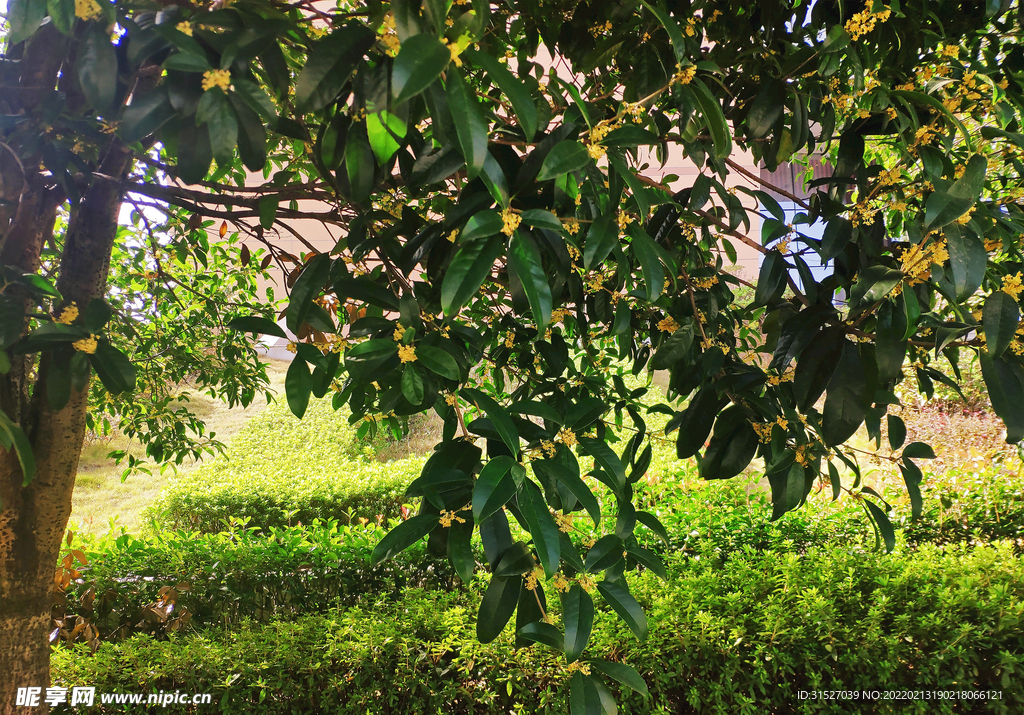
(897, 430)
(578, 617)
(731, 448)
(483, 224)
(874, 283)
(944, 207)
(543, 528)
(635, 187)
(674, 34)
(412, 383)
(359, 164)
(652, 523)
(788, 485)
(540, 218)
(194, 152)
(566, 470)
(605, 553)
(498, 416)
(495, 180)
(58, 379)
(884, 525)
(97, 70)
(602, 237)
(23, 19)
(187, 62)
(1005, 383)
(113, 367)
(368, 357)
(525, 262)
(494, 487)
(564, 157)
(607, 459)
(967, 260)
(96, 315)
(470, 126)
(385, 132)
(438, 361)
(650, 560)
(816, 365)
(844, 404)
(622, 673)
(516, 560)
(771, 280)
(519, 96)
(62, 13)
(629, 135)
(298, 384)
(330, 65)
(145, 115)
(646, 252)
(421, 60)
(890, 345)
(838, 233)
(307, 287)
(584, 697)
(497, 606)
(1001, 316)
(219, 116)
(695, 423)
(402, 537)
(766, 108)
(714, 117)
(256, 324)
(12, 435)
(912, 477)
(919, 450)
(460, 549)
(623, 603)
(467, 272)
(540, 632)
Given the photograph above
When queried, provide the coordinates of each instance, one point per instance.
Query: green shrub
(281, 471)
(743, 635)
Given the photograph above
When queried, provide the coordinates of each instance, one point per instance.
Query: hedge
(742, 633)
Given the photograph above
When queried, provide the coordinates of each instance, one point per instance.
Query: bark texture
(34, 517)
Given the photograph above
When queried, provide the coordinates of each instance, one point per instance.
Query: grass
(101, 499)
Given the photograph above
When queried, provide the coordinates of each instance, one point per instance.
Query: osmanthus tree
(502, 248)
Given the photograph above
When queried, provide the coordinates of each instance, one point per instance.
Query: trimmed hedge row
(744, 634)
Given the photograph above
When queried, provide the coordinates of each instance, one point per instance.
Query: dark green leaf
(298, 384)
(650, 559)
(919, 450)
(695, 424)
(646, 252)
(460, 549)
(578, 617)
(564, 157)
(607, 459)
(516, 560)
(622, 673)
(438, 361)
(11, 435)
(623, 603)
(525, 262)
(330, 66)
(890, 345)
(307, 287)
(494, 487)
(256, 324)
(540, 632)
(715, 118)
(543, 528)
(771, 280)
(470, 126)
(1001, 317)
(113, 367)
(97, 70)
(602, 237)
(967, 260)
(815, 366)
(23, 19)
(497, 606)
(421, 60)
(629, 135)
(145, 115)
(603, 554)
(412, 383)
(467, 272)
(1006, 390)
(943, 207)
(498, 416)
(540, 218)
(402, 537)
(788, 483)
(519, 96)
(897, 430)
(845, 402)
(584, 698)
(884, 525)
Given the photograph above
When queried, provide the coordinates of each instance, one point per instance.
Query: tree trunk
(34, 517)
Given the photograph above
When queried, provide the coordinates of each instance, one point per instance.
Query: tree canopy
(504, 249)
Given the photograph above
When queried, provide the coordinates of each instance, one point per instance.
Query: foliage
(501, 246)
(281, 471)
(741, 635)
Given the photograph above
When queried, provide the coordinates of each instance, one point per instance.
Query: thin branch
(792, 197)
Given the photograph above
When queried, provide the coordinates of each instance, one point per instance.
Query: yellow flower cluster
(764, 429)
(510, 339)
(691, 27)
(87, 9)
(567, 436)
(453, 235)
(564, 522)
(598, 29)
(599, 132)
(889, 177)
(1012, 285)
(684, 75)
(510, 221)
(916, 262)
(572, 227)
(992, 245)
(220, 79)
(587, 583)
(623, 219)
(68, 315)
(532, 576)
(864, 22)
(85, 345)
(634, 110)
(399, 332)
(548, 447)
(862, 213)
(784, 377)
(451, 399)
(803, 453)
(561, 583)
(447, 517)
(668, 324)
(704, 283)
(596, 151)
(390, 37)
(578, 665)
(185, 27)
(407, 353)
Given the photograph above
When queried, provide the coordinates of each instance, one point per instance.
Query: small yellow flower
(571, 226)
(532, 577)
(684, 75)
(578, 665)
(561, 583)
(399, 332)
(623, 219)
(451, 399)
(568, 437)
(221, 79)
(85, 345)
(185, 28)
(291, 347)
(587, 583)
(68, 315)
(596, 151)
(510, 221)
(668, 324)
(1012, 285)
(407, 353)
(452, 236)
(87, 9)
